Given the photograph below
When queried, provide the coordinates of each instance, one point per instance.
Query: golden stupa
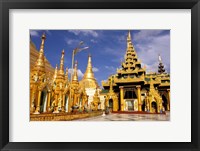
(88, 80)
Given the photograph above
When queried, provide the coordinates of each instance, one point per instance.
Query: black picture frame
(6, 5)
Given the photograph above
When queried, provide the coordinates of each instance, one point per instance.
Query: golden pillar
(78, 100)
(69, 104)
(56, 104)
(63, 103)
(150, 107)
(115, 104)
(48, 100)
(122, 103)
(32, 102)
(37, 111)
(74, 99)
(139, 97)
(60, 99)
(168, 103)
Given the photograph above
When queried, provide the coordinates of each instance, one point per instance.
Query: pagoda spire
(40, 63)
(75, 74)
(129, 36)
(66, 74)
(129, 42)
(55, 72)
(89, 72)
(61, 71)
(161, 68)
(131, 67)
(88, 79)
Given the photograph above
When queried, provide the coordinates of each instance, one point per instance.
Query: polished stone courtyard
(129, 117)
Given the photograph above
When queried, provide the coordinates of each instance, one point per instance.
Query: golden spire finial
(75, 74)
(89, 73)
(42, 43)
(61, 71)
(40, 63)
(129, 35)
(129, 42)
(56, 72)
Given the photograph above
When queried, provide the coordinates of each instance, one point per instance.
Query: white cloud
(93, 41)
(111, 68)
(146, 34)
(79, 72)
(85, 32)
(72, 41)
(95, 69)
(34, 33)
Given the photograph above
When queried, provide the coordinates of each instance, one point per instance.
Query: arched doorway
(164, 102)
(110, 104)
(154, 107)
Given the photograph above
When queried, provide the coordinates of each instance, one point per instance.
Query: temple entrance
(130, 105)
(110, 103)
(154, 107)
(130, 94)
(164, 102)
(129, 98)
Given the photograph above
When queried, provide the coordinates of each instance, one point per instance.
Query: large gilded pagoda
(91, 86)
(132, 89)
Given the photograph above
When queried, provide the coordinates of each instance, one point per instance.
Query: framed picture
(126, 76)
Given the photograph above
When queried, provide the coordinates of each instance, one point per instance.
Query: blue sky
(107, 48)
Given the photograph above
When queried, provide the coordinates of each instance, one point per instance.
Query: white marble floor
(129, 117)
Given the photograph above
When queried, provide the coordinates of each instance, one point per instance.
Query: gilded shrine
(132, 89)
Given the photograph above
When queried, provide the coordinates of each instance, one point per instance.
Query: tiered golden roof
(131, 70)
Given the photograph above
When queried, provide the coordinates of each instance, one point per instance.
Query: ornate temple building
(132, 89)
